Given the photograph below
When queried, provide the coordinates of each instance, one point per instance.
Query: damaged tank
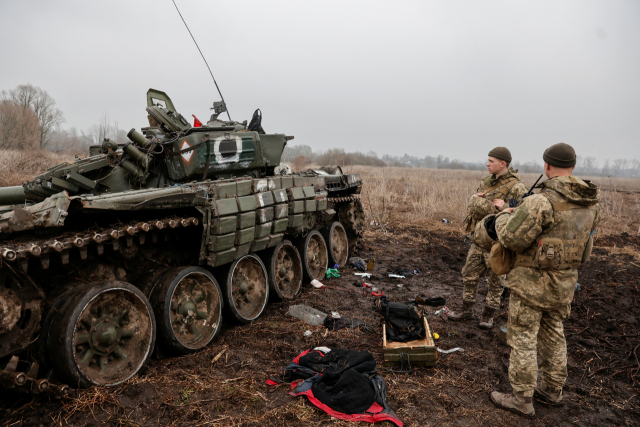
(154, 242)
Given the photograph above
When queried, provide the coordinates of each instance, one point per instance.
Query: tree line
(30, 119)
(302, 155)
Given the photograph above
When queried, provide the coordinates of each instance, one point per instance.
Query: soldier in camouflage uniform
(495, 189)
(550, 233)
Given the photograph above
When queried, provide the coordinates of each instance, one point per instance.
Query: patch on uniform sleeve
(517, 220)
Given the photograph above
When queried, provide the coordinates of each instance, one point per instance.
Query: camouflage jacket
(548, 232)
(504, 187)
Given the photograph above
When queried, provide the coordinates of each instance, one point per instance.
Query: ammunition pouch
(553, 254)
(484, 235)
(501, 259)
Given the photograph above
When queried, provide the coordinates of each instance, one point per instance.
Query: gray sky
(420, 77)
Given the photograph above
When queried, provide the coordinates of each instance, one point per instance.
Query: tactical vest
(500, 190)
(562, 246)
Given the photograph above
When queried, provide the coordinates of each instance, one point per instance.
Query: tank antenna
(205, 61)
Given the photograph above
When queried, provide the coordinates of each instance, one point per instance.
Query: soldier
(550, 234)
(502, 185)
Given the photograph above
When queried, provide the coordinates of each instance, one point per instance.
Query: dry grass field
(18, 166)
(406, 195)
(425, 196)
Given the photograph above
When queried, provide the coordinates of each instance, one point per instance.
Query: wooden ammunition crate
(419, 352)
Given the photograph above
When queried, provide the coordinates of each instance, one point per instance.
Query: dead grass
(412, 196)
(18, 166)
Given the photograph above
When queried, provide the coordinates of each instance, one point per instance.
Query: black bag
(403, 320)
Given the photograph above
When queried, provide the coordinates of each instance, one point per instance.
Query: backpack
(403, 320)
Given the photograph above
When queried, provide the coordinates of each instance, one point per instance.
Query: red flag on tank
(196, 123)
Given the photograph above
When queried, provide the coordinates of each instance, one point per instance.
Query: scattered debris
(333, 323)
(365, 275)
(450, 351)
(307, 333)
(317, 284)
(578, 287)
(358, 263)
(432, 302)
(371, 264)
(444, 312)
(445, 221)
(332, 272)
(395, 276)
(401, 271)
(307, 314)
(436, 336)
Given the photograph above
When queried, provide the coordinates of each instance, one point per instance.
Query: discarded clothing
(358, 263)
(432, 302)
(336, 323)
(401, 271)
(342, 383)
(403, 320)
(332, 272)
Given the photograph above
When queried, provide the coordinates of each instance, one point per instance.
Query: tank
(152, 245)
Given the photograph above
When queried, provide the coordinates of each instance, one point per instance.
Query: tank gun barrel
(12, 195)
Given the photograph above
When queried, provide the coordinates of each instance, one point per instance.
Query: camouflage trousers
(476, 266)
(526, 328)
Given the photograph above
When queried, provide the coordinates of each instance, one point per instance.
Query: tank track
(22, 376)
(21, 252)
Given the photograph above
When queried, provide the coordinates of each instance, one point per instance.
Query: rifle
(513, 203)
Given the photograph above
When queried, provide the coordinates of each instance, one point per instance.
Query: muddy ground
(225, 384)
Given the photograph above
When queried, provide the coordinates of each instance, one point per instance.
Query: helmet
(484, 235)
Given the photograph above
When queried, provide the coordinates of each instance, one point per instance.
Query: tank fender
(51, 212)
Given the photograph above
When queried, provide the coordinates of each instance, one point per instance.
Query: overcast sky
(421, 77)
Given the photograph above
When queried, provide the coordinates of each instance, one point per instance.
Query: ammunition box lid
(264, 199)
(280, 196)
(262, 184)
(309, 192)
(295, 193)
(226, 206)
(247, 203)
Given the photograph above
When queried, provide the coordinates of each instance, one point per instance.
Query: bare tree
(19, 128)
(44, 106)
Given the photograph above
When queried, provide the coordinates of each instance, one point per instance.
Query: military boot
(548, 394)
(486, 321)
(516, 403)
(466, 312)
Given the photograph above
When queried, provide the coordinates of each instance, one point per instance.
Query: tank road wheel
(20, 311)
(187, 303)
(313, 251)
(337, 244)
(104, 336)
(246, 290)
(284, 269)
(351, 216)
